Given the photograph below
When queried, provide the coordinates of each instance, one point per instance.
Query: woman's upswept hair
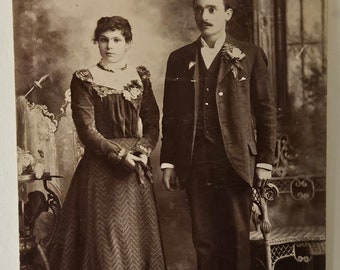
(113, 23)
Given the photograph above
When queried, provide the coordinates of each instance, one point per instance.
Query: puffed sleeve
(149, 113)
(83, 116)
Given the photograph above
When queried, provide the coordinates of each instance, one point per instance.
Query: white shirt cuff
(265, 166)
(167, 166)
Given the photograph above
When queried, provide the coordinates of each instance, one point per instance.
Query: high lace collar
(112, 67)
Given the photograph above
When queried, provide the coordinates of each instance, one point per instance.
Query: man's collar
(218, 43)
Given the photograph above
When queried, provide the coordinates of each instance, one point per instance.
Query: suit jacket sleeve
(169, 120)
(264, 109)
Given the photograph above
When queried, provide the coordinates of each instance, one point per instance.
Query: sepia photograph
(178, 135)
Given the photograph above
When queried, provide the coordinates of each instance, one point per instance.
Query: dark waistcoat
(208, 151)
(207, 122)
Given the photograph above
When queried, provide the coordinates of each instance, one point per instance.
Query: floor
(176, 233)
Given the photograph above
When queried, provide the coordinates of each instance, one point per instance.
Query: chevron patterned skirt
(108, 222)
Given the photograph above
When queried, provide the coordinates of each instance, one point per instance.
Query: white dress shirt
(209, 54)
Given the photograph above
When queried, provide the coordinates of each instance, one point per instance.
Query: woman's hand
(144, 158)
(130, 160)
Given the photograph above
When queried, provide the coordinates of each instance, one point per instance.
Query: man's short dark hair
(227, 4)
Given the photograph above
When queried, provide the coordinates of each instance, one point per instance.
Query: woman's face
(112, 46)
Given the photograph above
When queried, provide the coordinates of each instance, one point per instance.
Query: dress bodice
(117, 98)
(110, 105)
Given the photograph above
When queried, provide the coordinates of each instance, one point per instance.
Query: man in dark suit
(219, 122)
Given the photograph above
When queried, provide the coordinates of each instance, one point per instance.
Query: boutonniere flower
(233, 55)
(132, 90)
(191, 64)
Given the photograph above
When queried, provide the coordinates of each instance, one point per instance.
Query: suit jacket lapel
(197, 88)
(192, 64)
(225, 68)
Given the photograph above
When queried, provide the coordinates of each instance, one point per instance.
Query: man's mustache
(205, 24)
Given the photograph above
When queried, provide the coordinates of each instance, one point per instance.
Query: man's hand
(262, 176)
(169, 179)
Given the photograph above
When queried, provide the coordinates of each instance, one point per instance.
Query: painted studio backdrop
(54, 38)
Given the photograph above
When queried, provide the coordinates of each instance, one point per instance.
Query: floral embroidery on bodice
(126, 82)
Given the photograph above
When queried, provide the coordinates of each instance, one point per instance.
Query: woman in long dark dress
(109, 218)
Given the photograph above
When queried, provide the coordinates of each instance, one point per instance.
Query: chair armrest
(267, 192)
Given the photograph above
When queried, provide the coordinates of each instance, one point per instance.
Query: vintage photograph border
(9, 253)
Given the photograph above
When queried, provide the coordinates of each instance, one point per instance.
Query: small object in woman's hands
(140, 174)
(143, 173)
(147, 172)
(144, 158)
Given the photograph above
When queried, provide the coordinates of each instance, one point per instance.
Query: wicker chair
(289, 216)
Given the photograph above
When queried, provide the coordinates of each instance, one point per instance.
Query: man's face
(211, 17)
